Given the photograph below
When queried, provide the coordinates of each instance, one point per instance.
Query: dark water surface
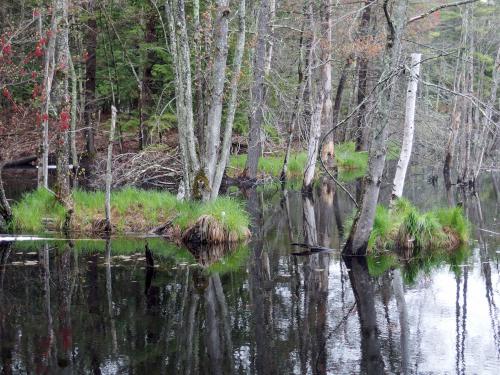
(91, 307)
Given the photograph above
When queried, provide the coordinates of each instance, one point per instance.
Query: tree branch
(435, 9)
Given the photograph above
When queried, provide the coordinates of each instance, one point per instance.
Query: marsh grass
(133, 211)
(406, 227)
(348, 159)
(351, 164)
(271, 165)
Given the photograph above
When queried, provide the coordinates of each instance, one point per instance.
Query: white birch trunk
(43, 173)
(109, 161)
(317, 98)
(409, 126)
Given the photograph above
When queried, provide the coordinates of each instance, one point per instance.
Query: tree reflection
(362, 286)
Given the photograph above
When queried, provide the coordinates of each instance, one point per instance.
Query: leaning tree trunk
(327, 152)
(386, 91)
(231, 107)
(317, 100)
(409, 126)
(257, 92)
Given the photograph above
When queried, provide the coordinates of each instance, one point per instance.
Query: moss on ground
(132, 211)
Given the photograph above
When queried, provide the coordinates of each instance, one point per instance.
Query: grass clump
(405, 227)
(132, 211)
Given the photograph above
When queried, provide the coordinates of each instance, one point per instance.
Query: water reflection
(130, 307)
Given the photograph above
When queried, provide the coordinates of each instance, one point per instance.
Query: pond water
(95, 307)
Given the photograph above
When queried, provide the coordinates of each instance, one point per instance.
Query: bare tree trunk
(231, 107)
(339, 93)
(179, 49)
(257, 101)
(74, 110)
(483, 139)
(327, 153)
(363, 221)
(270, 42)
(90, 79)
(62, 105)
(109, 175)
(198, 77)
(214, 118)
(362, 64)
(406, 149)
(461, 106)
(5, 210)
(43, 167)
(296, 108)
(317, 100)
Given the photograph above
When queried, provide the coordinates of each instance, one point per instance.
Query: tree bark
(297, 105)
(49, 68)
(90, 79)
(409, 126)
(317, 100)
(5, 210)
(109, 175)
(386, 92)
(232, 104)
(257, 100)
(214, 118)
(362, 64)
(327, 153)
(61, 100)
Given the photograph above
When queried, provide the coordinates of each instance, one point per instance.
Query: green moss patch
(132, 211)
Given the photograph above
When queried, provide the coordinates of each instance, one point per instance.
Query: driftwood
(151, 167)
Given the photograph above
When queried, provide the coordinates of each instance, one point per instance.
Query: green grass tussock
(405, 227)
(132, 211)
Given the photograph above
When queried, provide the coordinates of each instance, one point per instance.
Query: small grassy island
(417, 241)
(134, 211)
(405, 228)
